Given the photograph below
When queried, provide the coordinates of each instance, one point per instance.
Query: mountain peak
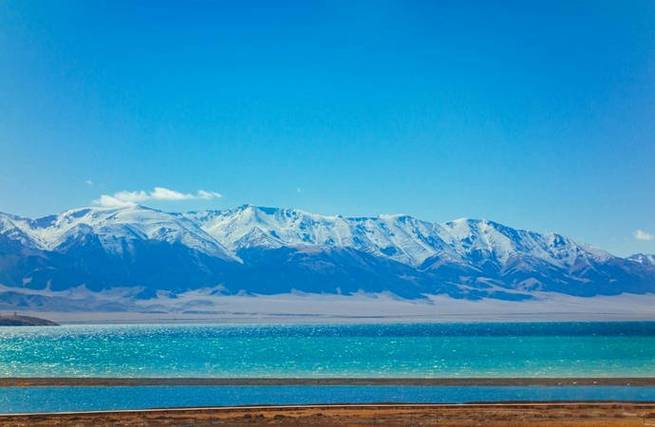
(297, 248)
(641, 258)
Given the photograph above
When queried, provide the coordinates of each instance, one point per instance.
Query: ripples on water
(55, 399)
(436, 350)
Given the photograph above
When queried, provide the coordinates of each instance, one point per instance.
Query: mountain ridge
(276, 250)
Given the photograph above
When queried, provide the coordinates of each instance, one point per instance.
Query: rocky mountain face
(268, 250)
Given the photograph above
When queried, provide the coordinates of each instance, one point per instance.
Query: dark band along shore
(572, 414)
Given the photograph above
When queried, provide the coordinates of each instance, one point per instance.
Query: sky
(538, 115)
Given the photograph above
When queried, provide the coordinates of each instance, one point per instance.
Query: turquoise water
(63, 399)
(407, 350)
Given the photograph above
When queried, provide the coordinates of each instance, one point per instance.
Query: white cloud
(89, 182)
(643, 235)
(208, 195)
(132, 198)
(161, 193)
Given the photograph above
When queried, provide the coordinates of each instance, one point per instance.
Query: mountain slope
(647, 260)
(270, 250)
(104, 248)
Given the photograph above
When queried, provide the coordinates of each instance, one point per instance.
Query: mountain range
(259, 250)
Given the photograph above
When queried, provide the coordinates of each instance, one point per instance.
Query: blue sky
(539, 115)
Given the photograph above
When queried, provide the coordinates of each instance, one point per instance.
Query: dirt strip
(30, 382)
(494, 415)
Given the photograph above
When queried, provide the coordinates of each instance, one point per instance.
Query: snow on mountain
(10, 230)
(401, 238)
(271, 250)
(490, 241)
(644, 259)
(223, 234)
(116, 229)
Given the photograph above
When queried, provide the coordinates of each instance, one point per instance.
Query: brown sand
(493, 415)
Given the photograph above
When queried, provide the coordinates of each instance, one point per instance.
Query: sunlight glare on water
(400, 350)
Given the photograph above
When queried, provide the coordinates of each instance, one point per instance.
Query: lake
(65, 399)
(570, 349)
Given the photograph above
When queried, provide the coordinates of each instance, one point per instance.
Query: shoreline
(472, 381)
(574, 414)
(203, 306)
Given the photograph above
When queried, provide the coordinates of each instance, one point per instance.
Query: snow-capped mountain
(270, 250)
(116, 229)
(645, 259)
(401, 238)
(397, 237)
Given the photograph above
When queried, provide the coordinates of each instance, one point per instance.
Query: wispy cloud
(132, 198)
(643, 235)
(89, 182)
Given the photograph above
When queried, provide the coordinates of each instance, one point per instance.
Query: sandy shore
(494, 415)
(59, 381)
(208, 306)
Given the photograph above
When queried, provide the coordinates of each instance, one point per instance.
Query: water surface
(69, 399)
(571, 349)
